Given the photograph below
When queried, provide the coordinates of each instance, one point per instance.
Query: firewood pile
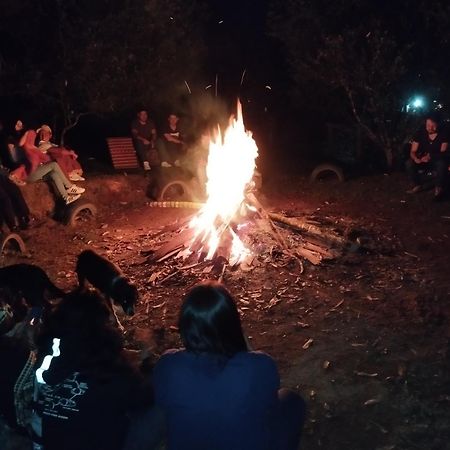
(272, 238)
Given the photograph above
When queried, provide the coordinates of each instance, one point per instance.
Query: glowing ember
(231, 163)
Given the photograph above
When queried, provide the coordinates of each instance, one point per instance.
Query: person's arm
(171, 138)
(23, 139)
(413, 154)
(137, 136)
(444, 147)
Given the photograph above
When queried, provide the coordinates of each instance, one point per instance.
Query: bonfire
(230, 168)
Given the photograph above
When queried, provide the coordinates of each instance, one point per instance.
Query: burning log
(310, 229)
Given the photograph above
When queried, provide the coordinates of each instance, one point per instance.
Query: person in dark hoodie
(216, 393)
(86, 384)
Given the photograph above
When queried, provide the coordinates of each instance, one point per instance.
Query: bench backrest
(122, 153)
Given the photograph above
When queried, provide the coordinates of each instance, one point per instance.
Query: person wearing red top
(67, 159)
(39, 166)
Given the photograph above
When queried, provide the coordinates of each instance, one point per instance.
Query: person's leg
(39, 173)
(142, 151)
(19, 204)
(413, 171)
(441, 168)
(288, 420)
(164, 157)
(53, 171)
(7, 209)
(57, 172)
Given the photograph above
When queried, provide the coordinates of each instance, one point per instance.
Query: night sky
(272, 66)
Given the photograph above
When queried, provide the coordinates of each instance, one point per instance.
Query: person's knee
(410, 165)
(292, 402)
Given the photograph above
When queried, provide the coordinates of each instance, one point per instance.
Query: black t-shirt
(174, 149)
(143, 130)
(84, 413)
(427, 145)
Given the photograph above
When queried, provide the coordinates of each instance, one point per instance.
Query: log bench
(101, 191)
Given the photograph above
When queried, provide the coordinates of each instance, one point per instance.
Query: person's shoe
(71, 198)
(74, 189)
(147, 165)
(15, 179)
(76, 177)
(438, 194)
(414, 190)
(165, 164)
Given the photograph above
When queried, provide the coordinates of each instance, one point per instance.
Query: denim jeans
(438, 165)
(53, 171)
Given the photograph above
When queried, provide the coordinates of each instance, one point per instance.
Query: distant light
(220, 21)
(416, 105)
(268, 87)
(418, 102)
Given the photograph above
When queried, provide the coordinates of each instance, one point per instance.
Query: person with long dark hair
(86, 384)
(216, 393)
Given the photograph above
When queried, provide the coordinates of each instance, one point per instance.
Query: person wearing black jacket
(14, 210)
(87, 386)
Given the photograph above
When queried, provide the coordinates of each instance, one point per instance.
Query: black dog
(108, 279)
(29, 282)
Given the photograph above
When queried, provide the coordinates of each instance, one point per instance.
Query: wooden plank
(123, 154)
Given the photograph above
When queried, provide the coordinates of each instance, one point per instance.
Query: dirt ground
(364, 338)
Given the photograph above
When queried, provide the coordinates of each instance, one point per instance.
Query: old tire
(12, 242)
(327, 172)
(79, 212)
(175, 190)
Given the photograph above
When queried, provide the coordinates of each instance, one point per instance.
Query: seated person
(171, 146)
(143, 132)
(67, 159)
(15, 398)
(429, 151)
(38, 166)
(216, 393)
(92, 379)
(14, 210)
(15, 152)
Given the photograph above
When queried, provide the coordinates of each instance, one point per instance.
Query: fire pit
(232, 227)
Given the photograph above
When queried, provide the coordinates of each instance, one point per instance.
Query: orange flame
(231, 164)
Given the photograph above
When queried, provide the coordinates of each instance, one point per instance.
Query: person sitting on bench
(67, 159)
(39, 167)
(171, 146)
(429, 153)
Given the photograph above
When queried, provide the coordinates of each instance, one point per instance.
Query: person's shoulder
(258, 358)
(171, 356)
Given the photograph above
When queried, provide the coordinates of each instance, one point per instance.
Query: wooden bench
(123, 154)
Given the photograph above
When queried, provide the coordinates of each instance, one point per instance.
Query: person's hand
(425, 158)
(145, 141)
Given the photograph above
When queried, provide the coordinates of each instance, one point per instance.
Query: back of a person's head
(88, 341)
(209, 321)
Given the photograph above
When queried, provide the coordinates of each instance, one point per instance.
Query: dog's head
(126, 296)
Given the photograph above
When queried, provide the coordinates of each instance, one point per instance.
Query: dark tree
(369, 56)
(75, 56)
